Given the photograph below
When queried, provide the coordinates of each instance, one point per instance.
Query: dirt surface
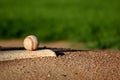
(57, 44)
(69, 64)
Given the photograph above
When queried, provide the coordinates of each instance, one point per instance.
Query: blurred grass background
(93, 22)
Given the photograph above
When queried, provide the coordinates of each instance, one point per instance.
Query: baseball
(31, 43)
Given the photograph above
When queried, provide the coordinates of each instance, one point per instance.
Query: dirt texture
(57, 44)
(68, 65)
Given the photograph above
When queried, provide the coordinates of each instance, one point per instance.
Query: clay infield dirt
(70, 64)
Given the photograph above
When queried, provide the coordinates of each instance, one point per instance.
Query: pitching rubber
(22, 54)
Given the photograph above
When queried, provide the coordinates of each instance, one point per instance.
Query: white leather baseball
(31, 43)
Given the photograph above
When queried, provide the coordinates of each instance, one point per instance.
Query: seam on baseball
(32, 46)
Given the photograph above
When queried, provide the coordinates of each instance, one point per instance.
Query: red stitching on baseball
(32, 43)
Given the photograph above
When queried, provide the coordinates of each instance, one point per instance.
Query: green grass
(94, 22)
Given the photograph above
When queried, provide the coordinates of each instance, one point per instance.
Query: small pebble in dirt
(64, 75)
(48, 75)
